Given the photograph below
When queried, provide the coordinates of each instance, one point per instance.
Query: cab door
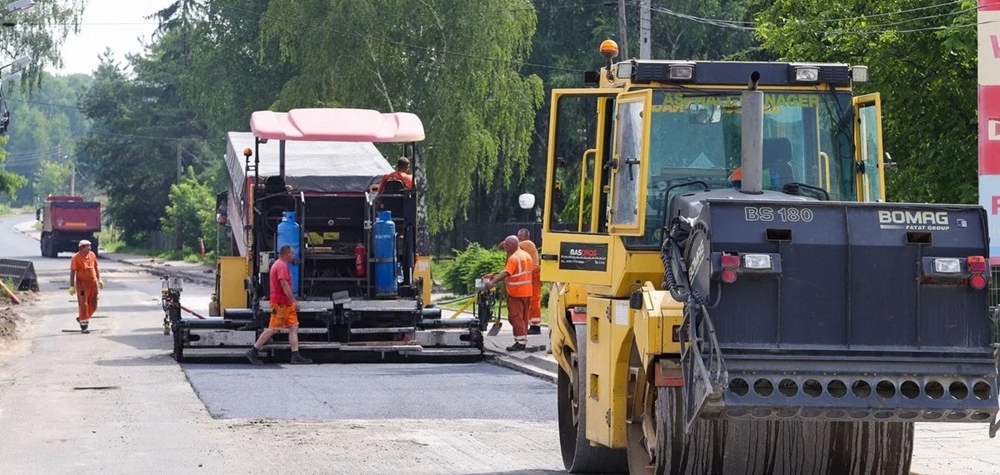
(868, 147)
(629, 164)
(575, 243)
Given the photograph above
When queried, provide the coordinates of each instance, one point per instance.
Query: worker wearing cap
(400, 174)
(535, 309)
(517, 273)
(84, 280)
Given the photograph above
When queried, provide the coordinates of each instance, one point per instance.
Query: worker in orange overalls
(84, 280)
(517, 273)
(535, 311)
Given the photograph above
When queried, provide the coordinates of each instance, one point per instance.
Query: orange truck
(67, 220)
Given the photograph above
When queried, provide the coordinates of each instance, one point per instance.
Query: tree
(190, 213)
(52, 178)
(139, 132)
(40, 33)
(455, 63)
(922, 55)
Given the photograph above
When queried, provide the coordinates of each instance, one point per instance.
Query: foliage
(140, 131)
(929, 111)
(44, 127)
(39, 33)
(470, 264)
(9, 182)
(190, 214)
(52, 178)
(452, 62)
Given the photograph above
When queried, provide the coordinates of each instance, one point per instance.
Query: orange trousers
(535, 311)
(86, 298)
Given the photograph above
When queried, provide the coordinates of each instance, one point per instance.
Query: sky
(108, 23)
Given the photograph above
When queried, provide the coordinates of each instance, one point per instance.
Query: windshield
(807, 139)
(697, 136)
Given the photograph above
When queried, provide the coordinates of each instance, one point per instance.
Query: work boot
(517, 347)
(252, 355)
(535, 330)
(83, 325)
(299, 359)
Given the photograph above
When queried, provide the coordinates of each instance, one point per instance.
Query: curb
(500, 359)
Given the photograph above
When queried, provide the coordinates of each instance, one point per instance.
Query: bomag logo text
(914, 220)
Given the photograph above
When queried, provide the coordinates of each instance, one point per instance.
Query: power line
(749, 26)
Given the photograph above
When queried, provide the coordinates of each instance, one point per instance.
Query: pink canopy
(338, 125)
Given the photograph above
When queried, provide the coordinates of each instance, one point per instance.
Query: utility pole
(72, 178)
(645, 46)
(180, 168)
(622, 29)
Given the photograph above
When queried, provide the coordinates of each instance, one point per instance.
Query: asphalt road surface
(115, 401)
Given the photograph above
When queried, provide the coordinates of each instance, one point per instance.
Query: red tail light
(977, 281)
(728, 275)
(977, 264)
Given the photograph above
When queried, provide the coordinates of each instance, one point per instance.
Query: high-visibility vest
(519, 266)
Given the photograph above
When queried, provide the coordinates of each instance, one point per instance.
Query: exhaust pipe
(752, 158)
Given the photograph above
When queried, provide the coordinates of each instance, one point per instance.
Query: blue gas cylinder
(385, 254)
(289, 233)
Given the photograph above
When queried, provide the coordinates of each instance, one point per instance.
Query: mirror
(222, 208)
(704, 114)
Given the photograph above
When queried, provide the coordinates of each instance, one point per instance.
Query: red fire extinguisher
(359, 260)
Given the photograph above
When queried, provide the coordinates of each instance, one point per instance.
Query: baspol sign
(989, 119)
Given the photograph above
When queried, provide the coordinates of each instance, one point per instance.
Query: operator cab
(646, 131)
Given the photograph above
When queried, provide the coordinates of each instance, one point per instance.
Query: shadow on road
(157, 360)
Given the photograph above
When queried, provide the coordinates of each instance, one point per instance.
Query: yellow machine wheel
(658, 445)
(578, 455)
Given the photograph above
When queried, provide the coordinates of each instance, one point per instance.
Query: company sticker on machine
(583, 256)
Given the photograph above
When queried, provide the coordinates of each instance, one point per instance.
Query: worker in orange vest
(517, 273)
(535, 312)
(84, 280)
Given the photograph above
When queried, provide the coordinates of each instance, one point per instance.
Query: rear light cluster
(733, 264)
(971, 269)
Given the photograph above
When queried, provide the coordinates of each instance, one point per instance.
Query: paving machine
(731, 292)
(309, 178)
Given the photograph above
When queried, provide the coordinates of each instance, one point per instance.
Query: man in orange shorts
(283, 308)
(84, 280)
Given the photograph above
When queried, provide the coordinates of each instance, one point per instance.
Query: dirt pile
(9, 318)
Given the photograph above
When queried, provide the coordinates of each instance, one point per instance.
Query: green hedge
(470, 264)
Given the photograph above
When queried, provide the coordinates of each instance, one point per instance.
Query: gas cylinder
(289, 233)
(385, 254)
(359, 260)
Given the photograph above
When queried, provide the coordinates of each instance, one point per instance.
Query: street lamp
(20, 6)
(17, 63)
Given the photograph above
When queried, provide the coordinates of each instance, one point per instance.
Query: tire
(578, 455)
(737, 447)
(178, 345)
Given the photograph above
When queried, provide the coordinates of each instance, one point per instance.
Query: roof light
(859, 73)
(977, 264)
(757, 261)
(807, 74)
(609, 49)
(947, 265)
(681, 72)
